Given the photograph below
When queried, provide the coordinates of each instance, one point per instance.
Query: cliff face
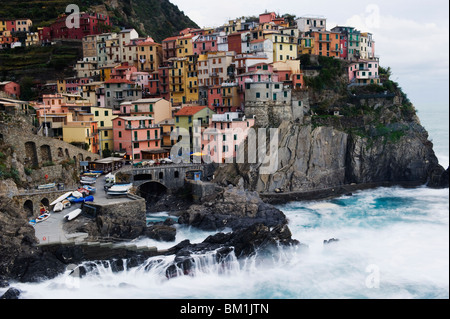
(374, 138)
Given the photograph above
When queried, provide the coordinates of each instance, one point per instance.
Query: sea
(386, 243)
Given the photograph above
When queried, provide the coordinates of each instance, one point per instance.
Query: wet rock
(11, 293)
(161, 232)
(329, 241)
(233, 208)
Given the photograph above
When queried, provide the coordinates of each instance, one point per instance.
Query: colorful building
(326, 43)
(158, 108)
(104, 118)
(364, 72)
(10, 88)
(186, 117)
(226, 132)
(84, 133)
(138, 136)
(149, 55)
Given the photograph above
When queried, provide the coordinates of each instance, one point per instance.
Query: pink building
(267, 17)
(364, 72)
(123, 72)
(10, 88)
(260, 72)
(225, 133)
(137, 135)
(204, 44)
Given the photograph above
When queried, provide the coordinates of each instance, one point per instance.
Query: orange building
(326, 43)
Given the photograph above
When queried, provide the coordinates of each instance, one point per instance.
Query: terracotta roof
(260, 40)
(171, 39)
(111, 81)
(190, 110)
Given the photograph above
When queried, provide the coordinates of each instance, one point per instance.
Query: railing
(129, 127)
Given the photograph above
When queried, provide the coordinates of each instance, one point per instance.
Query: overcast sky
(412, 37)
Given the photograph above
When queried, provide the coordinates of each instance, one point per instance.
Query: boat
(47, 186)
(58, 207)
(94, 174)
(32, 222)
(84, 178)
(73, 214)
(77, 194)
(60, 198)
(83, 191)
(87, 182)
(89, 198)
(66, 203)
(43, 209)
(90, 189)
(119, 189)
(110, 178)
(42, 217)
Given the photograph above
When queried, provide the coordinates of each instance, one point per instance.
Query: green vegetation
(331, 70)
(27, 65)
(159, 18)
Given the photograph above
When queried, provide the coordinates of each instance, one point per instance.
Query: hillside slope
(156, 18)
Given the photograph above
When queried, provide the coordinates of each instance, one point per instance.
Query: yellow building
(149, 55)
(285, 47)
(104, 117)
(306, 45)
(83, 133)
(185, 46)
(183, 80)
(88, 92)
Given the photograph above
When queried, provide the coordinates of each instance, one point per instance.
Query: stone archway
(152, 191)
(67, 153)
(31, 158)
(46, 154)
(45, 202)
(60, 152)
(28, 207)
(143, 177)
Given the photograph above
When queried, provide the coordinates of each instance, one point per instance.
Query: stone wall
(125, 220)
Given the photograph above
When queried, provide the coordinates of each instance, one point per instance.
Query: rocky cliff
(344, 136)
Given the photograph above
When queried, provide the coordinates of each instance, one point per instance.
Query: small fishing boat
(89, 198)
(110, 178)
(47, 186)
(32, 222)
(90, 189)
(42, 217)
(60, 198)
(77, 194)
(58, 207)
(66, 203)
(73, 214)
(87, 182)
(83, 191)
(119, 189)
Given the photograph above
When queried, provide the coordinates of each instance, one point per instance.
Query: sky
(412, 37)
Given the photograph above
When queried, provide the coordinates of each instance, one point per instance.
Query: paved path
(51, 231)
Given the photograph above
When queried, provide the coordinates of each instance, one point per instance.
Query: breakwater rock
(233, 208)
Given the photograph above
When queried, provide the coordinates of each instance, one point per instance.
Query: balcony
(142, 127)
(119, 98)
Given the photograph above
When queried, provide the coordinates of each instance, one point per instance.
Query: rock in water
(232, 208)
(11, 293)
(161, 232)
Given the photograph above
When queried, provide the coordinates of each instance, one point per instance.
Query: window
(135, 145)
(258, 95)
(119, 123)
(102, 123)
(106, 113)
(96, 113)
